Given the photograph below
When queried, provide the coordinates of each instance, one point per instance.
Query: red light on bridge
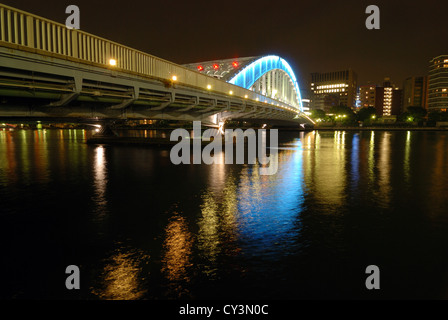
(235, 64)
(216, 66)
(200, 68)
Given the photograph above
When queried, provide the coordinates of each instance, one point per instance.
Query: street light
(112, 62)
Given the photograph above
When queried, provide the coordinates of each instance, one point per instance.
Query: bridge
(48, 71)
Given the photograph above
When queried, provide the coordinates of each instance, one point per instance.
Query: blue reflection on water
(355, 159)
(270, 206)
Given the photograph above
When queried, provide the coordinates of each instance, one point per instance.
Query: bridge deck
(67, 73)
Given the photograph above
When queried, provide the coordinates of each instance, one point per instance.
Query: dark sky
(313, 36)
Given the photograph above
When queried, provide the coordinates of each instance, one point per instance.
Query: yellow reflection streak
(100, 181)
(324, 167)
(41, 154)
(384, 169)
(219, 214)
(372, 156)
(308, 155)
(121, 277)
(208, 237)
(317, 144)
(406, 157)
(178, 244)
(25, 156)
(218, 173)
(8, 158)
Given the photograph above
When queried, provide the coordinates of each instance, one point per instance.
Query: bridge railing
(23, 29)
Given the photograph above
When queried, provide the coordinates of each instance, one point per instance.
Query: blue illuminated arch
(252, 72)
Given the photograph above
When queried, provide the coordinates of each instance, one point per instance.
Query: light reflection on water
(149, 229)
(121, 278)
(100, 182)
(178, 246)
(270, 205)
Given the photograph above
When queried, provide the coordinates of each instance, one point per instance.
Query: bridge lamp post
(209, 87)
(230, 92)
(112, 62)
(246, 96)
(174, 78)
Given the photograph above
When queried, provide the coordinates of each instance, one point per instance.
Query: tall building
(388, 99)
(333, 88)
(438, 84)
(367, 95)
(415, 92)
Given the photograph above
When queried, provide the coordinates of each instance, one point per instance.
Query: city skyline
(312, 37)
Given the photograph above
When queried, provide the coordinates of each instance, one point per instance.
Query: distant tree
(417, 112)
(343, 114)
(438, 116)
(413, 114)
(318, 114)
(366, 113)
(341, 110)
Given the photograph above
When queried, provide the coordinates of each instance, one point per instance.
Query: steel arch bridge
(271, 76)
(48, 71)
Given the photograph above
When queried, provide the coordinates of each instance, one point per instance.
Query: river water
(140, 227)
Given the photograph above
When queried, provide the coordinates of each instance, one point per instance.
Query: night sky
(313, 36)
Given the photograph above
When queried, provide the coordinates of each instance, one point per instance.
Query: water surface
(140, 227)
